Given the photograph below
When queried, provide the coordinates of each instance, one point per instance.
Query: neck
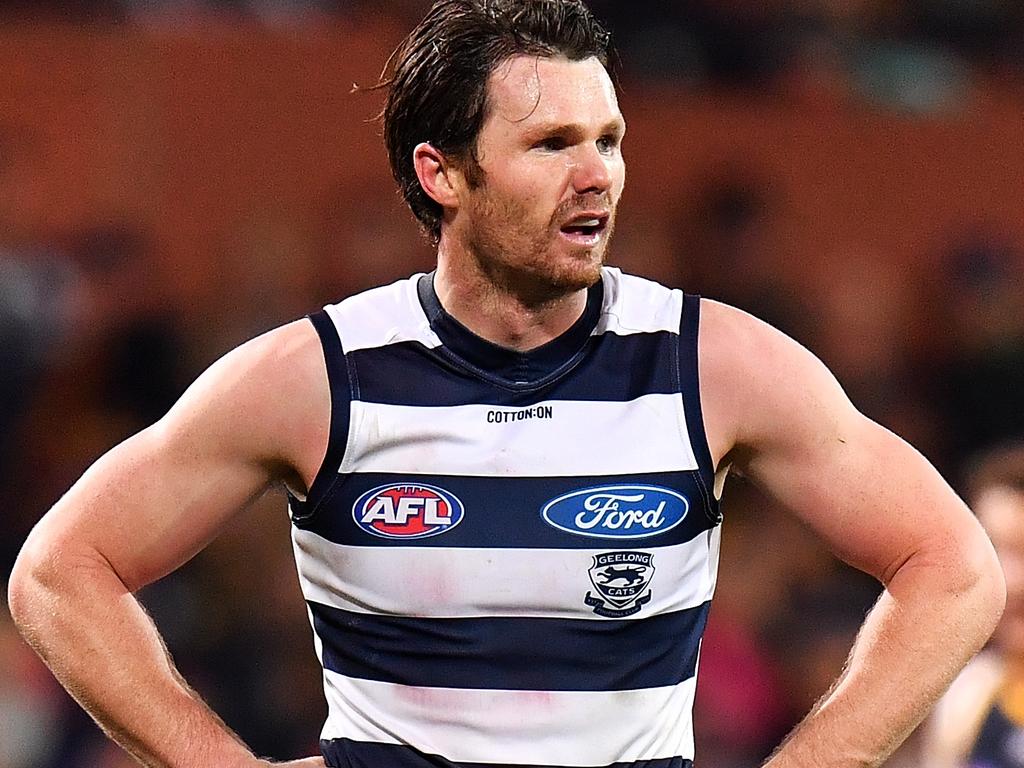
(504, 312)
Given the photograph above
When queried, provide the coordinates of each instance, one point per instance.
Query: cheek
(539, 182)
(503, 221)
(619, 174)
(524, 206)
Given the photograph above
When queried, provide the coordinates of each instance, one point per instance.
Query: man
(505, 474)
(979, 723)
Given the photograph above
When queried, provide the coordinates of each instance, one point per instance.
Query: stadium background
(176, 177)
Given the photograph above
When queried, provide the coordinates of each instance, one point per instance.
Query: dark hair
(438, 86)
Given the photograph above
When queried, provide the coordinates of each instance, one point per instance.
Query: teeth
(589, 223)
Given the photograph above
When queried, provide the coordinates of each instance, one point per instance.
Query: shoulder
(619, 285)
(635, 304)
(381, 316)
(733, 339)
(759, 385)
(283, 359)
(267, 401)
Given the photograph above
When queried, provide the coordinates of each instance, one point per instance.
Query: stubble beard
(517, 258)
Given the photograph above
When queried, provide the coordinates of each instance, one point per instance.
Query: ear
(436, 175)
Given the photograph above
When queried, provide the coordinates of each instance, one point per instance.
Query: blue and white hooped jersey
(508, 557)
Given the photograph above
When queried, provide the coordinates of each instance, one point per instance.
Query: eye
(552, 143)
(608, 144)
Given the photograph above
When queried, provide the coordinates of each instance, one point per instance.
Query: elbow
(957, 578)
(42, 575)
(25, 588)
(56, 577)
(997, 593)
(984, 584)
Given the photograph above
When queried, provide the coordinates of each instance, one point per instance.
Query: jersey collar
(510, 365)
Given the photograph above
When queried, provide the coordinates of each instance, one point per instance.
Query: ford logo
(617, 511)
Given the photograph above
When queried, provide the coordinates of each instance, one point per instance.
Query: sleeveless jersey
(508, 557)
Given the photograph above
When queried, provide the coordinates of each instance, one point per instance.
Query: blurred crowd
(93, 347)
(911, 52)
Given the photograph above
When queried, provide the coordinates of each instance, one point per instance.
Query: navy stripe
(611, 367)
(341, 396)
(497, 362)
(504, 512)
(512, 653)
(346, 753)
(689, 373)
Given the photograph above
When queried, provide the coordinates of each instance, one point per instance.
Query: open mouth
(586, 229)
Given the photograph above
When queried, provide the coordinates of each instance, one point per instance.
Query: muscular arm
(781, 419)
(256, 418)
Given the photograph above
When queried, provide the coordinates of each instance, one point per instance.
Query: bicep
(869, 494)
(793, 432)
(147, 506)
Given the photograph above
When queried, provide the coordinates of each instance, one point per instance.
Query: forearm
(921, 632)
(101, 645)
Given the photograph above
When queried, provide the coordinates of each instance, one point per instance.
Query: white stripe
(381, 316)
(635, 305)
(465, 583)
(392, 313)
(647, 434)
(570, 728)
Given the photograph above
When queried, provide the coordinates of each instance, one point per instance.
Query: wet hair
(1000, 467)
(437, 88)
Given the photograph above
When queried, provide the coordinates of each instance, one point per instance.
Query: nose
(592, 171)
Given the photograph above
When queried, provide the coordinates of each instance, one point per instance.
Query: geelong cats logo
(620, 579)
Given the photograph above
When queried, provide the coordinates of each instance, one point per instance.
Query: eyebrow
(617, 126)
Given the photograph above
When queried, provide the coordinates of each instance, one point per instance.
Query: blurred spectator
(40, 302)
(980, 722)
(101, 357)
(738, 44)
(731, 250)
(984, 30)
(981, 387)
(37, 308)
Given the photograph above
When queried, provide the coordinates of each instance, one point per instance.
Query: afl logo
(617, 511)
(407, 511)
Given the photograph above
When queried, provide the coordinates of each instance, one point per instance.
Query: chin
(547, 273)
(576, 275)
(543, 284)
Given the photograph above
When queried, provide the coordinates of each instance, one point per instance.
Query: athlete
(504, 474)
(979, 723)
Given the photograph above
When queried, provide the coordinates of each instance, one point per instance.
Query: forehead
(526, 91)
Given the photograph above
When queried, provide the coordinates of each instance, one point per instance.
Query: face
(1001, 511)
(539, 217)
